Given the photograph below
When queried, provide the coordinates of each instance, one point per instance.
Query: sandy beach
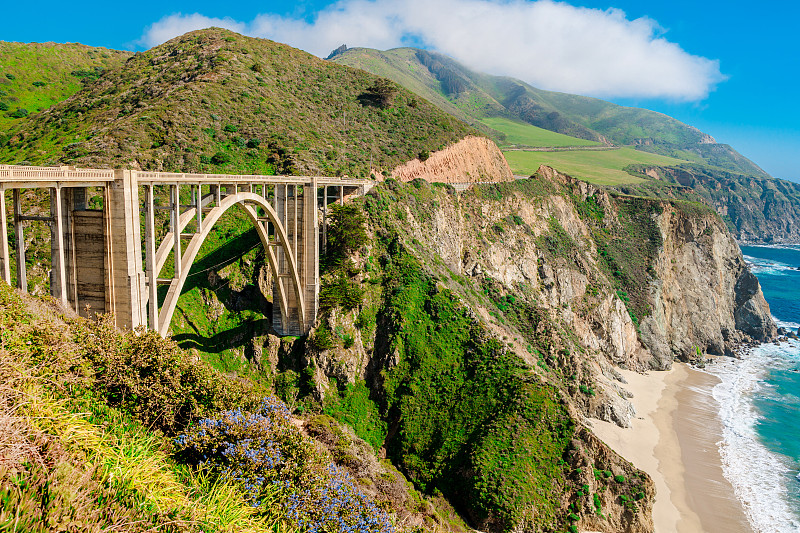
(673, 438)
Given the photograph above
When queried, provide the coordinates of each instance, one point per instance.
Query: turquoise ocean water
(759, 398)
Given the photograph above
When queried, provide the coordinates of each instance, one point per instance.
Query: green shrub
(253, 143)
(149, 376)
(19, 113)
(287, 386)
(230, 128)
(39, 84)
(322, 338)
(220, 158)
(619, 479)
(598, 505)
(346, 233)
(340, 291)
(353, 406)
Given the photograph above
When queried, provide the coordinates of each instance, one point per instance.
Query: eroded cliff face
(471, 160)
(695, 292)
(704, 296)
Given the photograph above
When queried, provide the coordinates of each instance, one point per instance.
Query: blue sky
(730, 69)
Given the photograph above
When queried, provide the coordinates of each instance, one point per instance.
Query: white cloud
(550, 45)
(177, 24)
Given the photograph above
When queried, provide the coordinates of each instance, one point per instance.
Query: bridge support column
(150, 257)
(58, 281)
(309, 268)
(19, 239)
(85, 249)
(5, 257)
(124, 250)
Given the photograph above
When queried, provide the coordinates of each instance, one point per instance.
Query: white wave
(758, 476)
(786, 324)
(760, 265)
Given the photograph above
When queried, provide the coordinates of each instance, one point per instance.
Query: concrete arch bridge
(109, 257)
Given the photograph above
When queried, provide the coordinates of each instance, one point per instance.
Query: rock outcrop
(471, 160)
(704, 296)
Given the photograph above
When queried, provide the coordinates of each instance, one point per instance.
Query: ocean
(759, 399)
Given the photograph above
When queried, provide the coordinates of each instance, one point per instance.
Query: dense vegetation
(216, 101)
(471, 422)
(35, 76)
(87, 413)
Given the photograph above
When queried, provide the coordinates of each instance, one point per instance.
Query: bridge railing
(11, 173)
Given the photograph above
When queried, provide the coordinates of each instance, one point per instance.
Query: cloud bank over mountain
(551, 45)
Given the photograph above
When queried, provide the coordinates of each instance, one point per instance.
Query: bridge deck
(30, 177)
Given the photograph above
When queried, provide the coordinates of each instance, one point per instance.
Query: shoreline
(676, 430)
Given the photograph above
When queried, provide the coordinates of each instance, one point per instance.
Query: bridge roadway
(100, 263)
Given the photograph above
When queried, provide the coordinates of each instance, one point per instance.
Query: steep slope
(476, 96)
(471, 160)
(459, 305)
(35, 76)
(216, 101)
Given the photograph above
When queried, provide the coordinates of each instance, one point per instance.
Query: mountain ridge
(466, 93)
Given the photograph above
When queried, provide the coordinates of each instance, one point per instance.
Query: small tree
(346, 232)
(383, 92)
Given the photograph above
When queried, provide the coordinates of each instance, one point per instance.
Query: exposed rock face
(700, 294)
(471, 160)
(704, 296)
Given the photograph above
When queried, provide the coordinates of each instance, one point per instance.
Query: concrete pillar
(5, 256)
(175, 225)
(324, 218)
(125, 249)
(309, 269)
(58, 283)
(19, 238)
(198, 204)
(150, 258)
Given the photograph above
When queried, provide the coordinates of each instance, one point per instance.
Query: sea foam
(759, 476)
(767, 266)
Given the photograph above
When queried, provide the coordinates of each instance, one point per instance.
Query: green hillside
(523, 134)
(602, 167)
(216, 101)
(35, 76)
(477, 96)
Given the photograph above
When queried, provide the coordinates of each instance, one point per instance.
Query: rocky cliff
(704, 296)
(756, 209)
(471, 160)
(558, 278)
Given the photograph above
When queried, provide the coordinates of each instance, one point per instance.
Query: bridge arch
(247, 200)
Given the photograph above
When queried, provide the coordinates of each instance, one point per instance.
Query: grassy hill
(35, 76)
(603, 167)
(521, 133)
(476, 97)
(216, 101)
